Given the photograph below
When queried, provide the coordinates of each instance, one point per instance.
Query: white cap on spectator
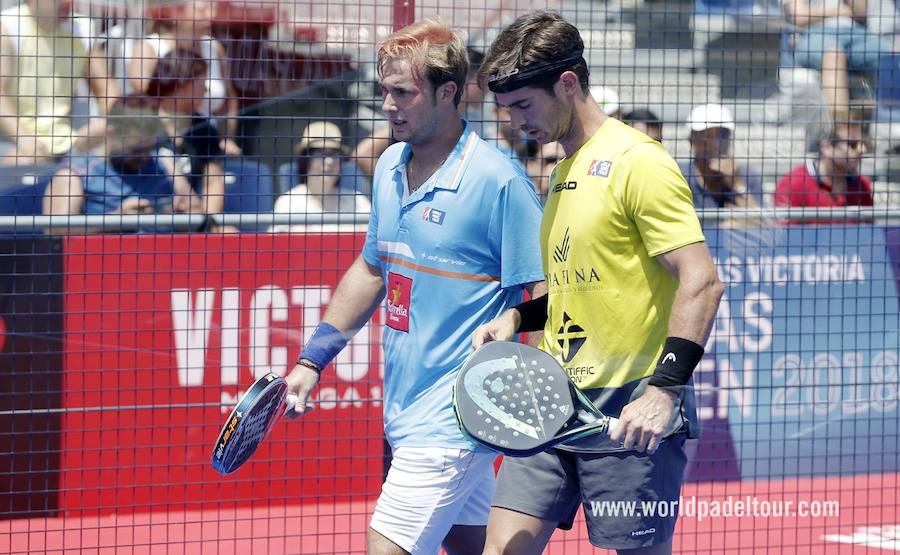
(321, 134)
(607, 98)
(706, 116)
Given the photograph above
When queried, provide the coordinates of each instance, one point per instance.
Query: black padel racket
(518, 400)
(265, 402)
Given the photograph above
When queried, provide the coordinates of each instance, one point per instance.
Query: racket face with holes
(249, 423)
(513, 398)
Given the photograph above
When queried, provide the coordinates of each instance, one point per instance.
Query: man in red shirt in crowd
(833, 179)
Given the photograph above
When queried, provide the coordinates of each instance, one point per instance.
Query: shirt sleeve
(370, 248)
(784, 192)
(659, 200)
(515, 233)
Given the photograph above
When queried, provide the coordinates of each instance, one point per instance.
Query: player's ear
(570, 82)
(447, 91)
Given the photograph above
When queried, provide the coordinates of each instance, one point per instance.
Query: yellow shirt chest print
(614, 205)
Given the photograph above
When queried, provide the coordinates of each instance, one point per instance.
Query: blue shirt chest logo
(433, 215)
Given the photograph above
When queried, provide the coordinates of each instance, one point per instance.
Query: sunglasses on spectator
(324, 153)
(855, 144)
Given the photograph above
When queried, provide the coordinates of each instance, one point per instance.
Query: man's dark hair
(174, 70)
(540, 37)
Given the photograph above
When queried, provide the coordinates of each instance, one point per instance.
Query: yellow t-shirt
(614, 205)
(48, 68)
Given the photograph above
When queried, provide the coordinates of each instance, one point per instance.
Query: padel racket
(518, 400)
(265, 402)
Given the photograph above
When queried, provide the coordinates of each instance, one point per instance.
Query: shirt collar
(449, 174)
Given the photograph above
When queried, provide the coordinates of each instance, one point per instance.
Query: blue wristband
(326, 342)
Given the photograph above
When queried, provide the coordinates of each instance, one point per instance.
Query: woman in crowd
(320, 153)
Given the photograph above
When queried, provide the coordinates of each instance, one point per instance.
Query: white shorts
(430, 489)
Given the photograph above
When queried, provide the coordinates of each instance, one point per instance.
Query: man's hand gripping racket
(517, 400)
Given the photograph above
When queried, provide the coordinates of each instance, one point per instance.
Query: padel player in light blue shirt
(451, 244)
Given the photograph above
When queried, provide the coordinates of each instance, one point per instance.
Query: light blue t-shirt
(454, 254)
(105, 188)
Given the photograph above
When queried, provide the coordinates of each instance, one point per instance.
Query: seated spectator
(320, 152)
(832, 179)
(123, 176)
(832, 38)
(716, 178)
(608, 99)
(645, 121)
(188, 27)
(47, 52)
(177, 86)
(540, 166)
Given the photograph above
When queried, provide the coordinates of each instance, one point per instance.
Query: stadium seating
(22, 188)
(249, 189)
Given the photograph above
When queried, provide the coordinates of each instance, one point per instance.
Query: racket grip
(290, 402)
(611, 422)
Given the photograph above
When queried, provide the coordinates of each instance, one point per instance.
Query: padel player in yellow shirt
(632, 296)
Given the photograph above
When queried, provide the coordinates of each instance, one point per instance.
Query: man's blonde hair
(434, 50)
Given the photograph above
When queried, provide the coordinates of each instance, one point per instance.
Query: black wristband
(677, 363)
(309, 364)
(533, 314)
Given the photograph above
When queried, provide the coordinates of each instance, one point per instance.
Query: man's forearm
(355, 299)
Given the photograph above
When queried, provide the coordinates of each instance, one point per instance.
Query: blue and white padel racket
(264, 403)
(518, 400)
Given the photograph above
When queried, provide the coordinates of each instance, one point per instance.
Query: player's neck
(436, 150)
(587, 117)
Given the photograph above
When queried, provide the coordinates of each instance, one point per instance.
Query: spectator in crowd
(645, 121)
(833, 178)
(194, 148)
(188, 27)
(320, 153)
(608, 99)
(716, 178)
(122, 176)
(539, 165)
(832, 38)
(47, 52)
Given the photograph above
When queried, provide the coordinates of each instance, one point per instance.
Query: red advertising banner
(163, 331)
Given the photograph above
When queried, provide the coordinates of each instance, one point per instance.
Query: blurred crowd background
(218, 107)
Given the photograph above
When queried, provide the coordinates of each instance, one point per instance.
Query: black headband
(540, 71)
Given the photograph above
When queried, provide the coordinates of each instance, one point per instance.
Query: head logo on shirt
(600, 168)
(433, 215)
(398, 299)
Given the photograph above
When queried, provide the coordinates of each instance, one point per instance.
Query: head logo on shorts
(398, 296)
(600, 168)
(571, 338)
